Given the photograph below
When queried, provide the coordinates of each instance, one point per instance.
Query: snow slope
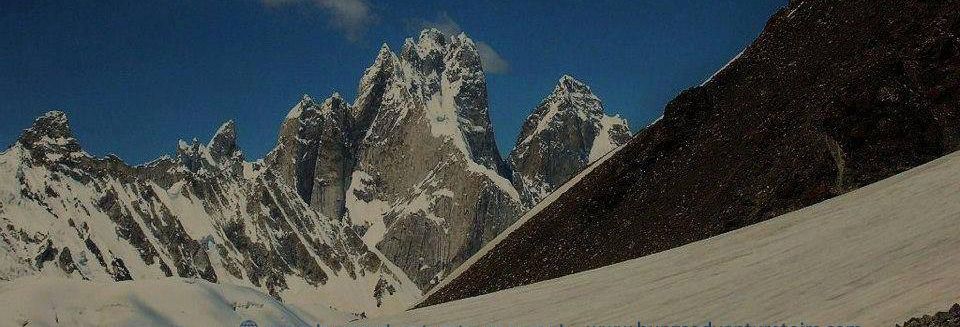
(872, 257)
(161, 302)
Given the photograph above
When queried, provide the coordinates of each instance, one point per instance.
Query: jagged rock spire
(314, 152)
(565, 133)
(223, 145)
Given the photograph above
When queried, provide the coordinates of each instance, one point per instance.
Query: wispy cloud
(444, 23)
(491, 60)
(352, 17)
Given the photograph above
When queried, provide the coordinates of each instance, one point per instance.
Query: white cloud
(443, 23)
(492, 61)
(352, 17)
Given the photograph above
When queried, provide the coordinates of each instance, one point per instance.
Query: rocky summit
(428, 186)
(565, 133)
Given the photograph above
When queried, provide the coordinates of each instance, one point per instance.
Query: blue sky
(134, 77)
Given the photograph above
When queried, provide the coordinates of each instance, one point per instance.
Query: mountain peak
(568, 84)
(306, 98)
(335, 104)
(431, 33)
(572, 122)
(223, 145)
(305, 102)
(52, 130)
(385, 52)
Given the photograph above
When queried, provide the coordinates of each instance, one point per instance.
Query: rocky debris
(949, 318)
(830, 97)
(564, 134)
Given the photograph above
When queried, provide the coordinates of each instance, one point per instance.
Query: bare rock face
(832, 96)
(564, 134)
(314, 154)
(429, 186)
(203, 214)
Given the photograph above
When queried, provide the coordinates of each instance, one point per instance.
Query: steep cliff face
(314, 154)
(203, 214)
(832, 95)
(429, 186)
(565, 133)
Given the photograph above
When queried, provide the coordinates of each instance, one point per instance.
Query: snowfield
(873, 257)
(160, 302)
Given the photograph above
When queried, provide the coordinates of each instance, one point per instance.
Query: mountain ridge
(378, 198)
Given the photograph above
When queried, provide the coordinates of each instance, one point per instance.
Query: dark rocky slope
(949, 318)
(830, 97)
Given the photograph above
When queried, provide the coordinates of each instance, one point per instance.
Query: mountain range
(361, 206)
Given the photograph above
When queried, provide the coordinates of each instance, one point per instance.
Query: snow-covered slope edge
(872, 257)
(161, 302)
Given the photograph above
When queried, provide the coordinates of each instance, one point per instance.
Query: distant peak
(335, 103)
(52, 128)
(223, 145)
(305, 98)
(431, 33)
(568, 84)
(227, 129)
(384, 51)
(432, 39)
(52, 121)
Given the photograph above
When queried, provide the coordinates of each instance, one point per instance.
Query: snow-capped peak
(53, 124)
(569, 85)
(384, 54)
(432, 35)
(51, 133)
(305, 102)
(335, 102)
(305, 98)
(567, 131)
(223, 145)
